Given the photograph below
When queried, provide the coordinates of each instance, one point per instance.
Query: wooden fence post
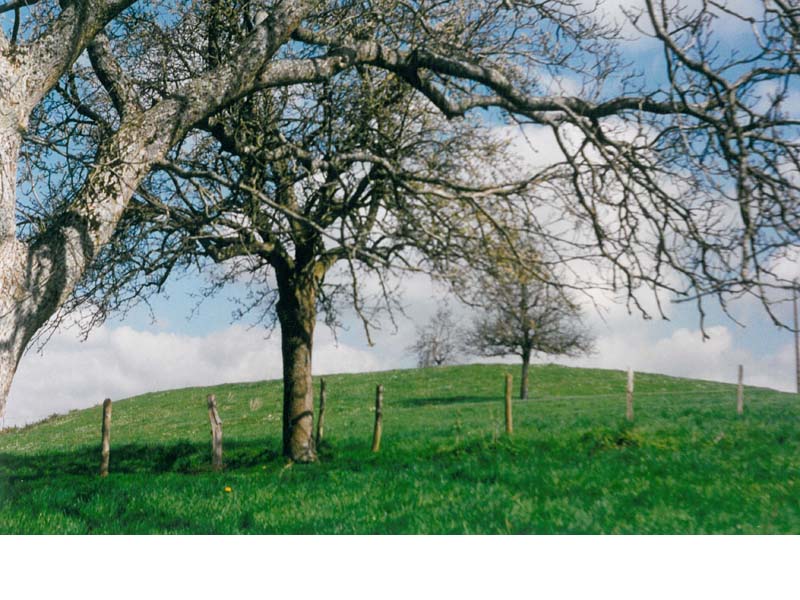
(629, 396)
(796, 340)
(509, 417)
(740, 392)
(106, 433)
(376, 434)
(216, 433)
(321, 418)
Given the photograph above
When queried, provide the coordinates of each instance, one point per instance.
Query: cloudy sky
(124, 358)
(129, 356)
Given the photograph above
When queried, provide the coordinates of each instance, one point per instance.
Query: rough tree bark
(297, 315)
(12, 259)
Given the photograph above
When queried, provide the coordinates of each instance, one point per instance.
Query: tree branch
(50, 55)
(120, 88)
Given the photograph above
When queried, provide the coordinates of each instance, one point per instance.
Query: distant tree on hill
(524, 316)
(438, 341)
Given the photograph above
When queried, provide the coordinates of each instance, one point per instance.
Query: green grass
(689, 464)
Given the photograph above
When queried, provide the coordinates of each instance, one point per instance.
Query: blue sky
(134, 355)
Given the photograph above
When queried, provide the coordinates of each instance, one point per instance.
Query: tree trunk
(8, 366)
(523, 386)
(297, 314)
(10, 252)
(26, 302)
(9, 153)
(15, 320)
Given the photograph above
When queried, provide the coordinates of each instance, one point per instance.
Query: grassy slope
(688, 465)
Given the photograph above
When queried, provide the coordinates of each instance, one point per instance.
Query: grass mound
(688, 464)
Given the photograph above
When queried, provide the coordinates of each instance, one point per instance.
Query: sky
(186, 347)
(132, 356)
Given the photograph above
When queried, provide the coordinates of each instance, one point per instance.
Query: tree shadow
(178, 457)
(424, 401)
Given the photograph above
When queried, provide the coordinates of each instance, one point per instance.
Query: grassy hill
(688, 464)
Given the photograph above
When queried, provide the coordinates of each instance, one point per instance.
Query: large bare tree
(303, 195)
(683, 182)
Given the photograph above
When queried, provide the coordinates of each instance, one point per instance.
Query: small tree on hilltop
(438, 341)
(525, 316)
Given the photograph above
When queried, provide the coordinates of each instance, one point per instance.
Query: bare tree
(524, 316)
(683, 184)
(301, 193)
(438, 341)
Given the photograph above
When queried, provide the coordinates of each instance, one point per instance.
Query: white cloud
(683, 353)
(535, 145)
(122, 361)
(726, 24)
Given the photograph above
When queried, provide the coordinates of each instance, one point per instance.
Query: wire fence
(450, 413)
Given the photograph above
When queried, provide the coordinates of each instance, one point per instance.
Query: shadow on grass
(445, 401)
(190, 458)
(179, 457)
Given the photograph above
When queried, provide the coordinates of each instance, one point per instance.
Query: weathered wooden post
(376, 434)
(509, 416)
(321, 418)
(106, 434)
(796, 341)
(629, 396)
(740, 392)
(216, 433)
